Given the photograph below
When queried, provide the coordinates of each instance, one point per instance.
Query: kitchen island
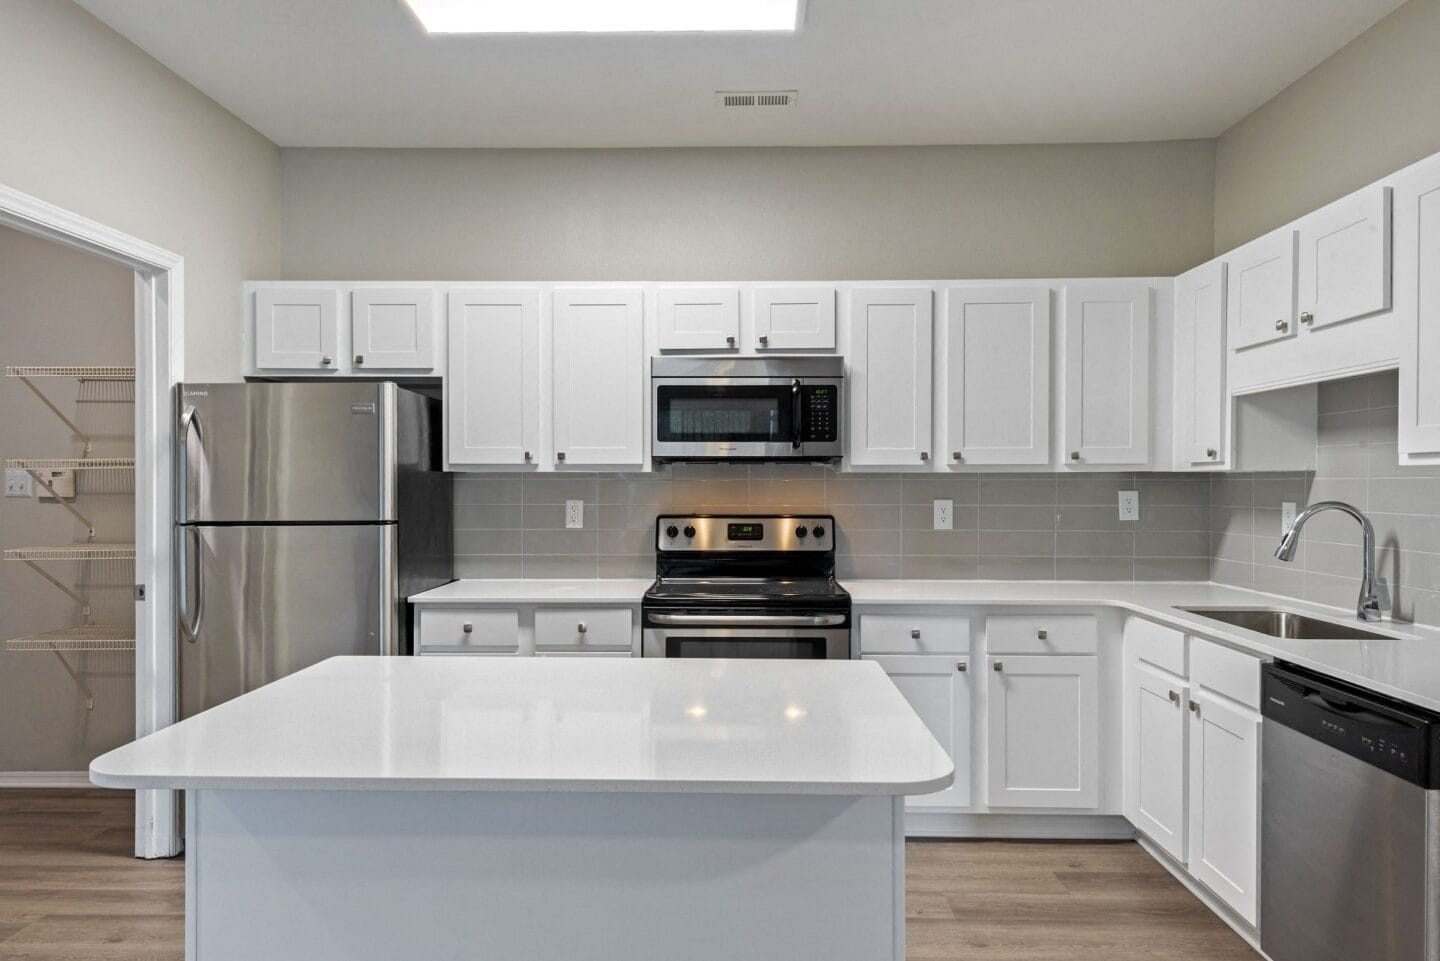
(539, 808)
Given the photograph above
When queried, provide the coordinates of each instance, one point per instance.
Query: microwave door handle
(795, 414)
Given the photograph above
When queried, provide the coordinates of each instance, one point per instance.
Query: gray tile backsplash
(1008, 526)
(1357, 462)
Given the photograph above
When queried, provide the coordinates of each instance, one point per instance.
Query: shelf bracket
(89, 527)
(58, 413)
(73, 595)
(89, 695)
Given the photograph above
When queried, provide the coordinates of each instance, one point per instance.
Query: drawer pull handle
(1174, 697)
(468, 628)
(962, 667)
(1043, 635)
(915, 634)
(580, 628)
(999, 665)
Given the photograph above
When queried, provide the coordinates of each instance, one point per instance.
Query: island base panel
(379, 875)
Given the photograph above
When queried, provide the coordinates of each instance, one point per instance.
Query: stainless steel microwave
(747, 408)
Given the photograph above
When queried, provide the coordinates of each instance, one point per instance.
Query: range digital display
(746, 532)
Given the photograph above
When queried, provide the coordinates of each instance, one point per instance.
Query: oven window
(792, 648)
(700, 415)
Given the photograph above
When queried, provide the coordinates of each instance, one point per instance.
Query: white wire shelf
(72, 552)
(72, 463)
(79, 373)
(86, 637)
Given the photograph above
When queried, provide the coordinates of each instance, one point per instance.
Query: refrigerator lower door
(258, 603)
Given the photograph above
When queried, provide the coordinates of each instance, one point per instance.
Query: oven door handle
(748, 620)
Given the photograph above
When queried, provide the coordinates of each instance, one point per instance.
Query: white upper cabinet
(889, 383)
(1344, 263)
(1107, 374)
(794, 318)
(1262, 290)
(1044, 742)
(1417, 303)
(698, 318)
(392, 329)
(1202, 404)
(994, 345)
(599, 377)
(297, 328)
(492, 377)
(938, 688)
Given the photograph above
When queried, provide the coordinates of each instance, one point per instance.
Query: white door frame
(159, 365)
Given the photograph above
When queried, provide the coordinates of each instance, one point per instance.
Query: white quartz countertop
(551, 724)
(537, 591)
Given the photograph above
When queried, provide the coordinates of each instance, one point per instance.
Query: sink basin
(1287, 624)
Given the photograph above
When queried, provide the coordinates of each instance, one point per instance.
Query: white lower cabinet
(938, 688)
(1044, 743)
(1224, 800)
(1155, 786)
(526, 629)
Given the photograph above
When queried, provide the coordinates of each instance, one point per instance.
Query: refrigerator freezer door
(258, 603)
(268, 453)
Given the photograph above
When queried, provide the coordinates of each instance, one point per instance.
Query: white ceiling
(361, 73)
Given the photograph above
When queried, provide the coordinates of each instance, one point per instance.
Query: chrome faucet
(1368, 607)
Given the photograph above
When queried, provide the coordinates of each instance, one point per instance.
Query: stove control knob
(800, 532)
(672, 531)
(689, 531)
(819, 531)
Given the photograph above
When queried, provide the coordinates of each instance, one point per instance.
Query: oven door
(726, 418)
(794, 637)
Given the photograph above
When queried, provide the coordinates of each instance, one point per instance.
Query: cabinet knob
(560, 456)
(924, 455)
(1074, 455)
(580, 628)
(915, 634)
(1174, 697)
(1210, 452)
(956, 456)
(1282, 325)
(1195, 708)
(468, 628)
(962, 667)
(529, 456)
(1307, 318)
(359, 359)
(326, 361)
(730, 341)
(1043, 635)
(1000, 665)
(764, 340)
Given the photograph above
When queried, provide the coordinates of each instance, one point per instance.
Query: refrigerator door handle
(190, 624)
(189, 421)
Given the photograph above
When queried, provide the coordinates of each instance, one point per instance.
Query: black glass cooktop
(726, 591)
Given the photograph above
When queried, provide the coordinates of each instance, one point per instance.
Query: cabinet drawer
(1042, 634)
(482, 630)
(1225, 671)
(1163, 647)
(583, 627)
(914, 634)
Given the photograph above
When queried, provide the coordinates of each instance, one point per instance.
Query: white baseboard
(1052, 827)
(47, 779)
(1208, 898)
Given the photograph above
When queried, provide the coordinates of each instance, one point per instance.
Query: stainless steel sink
(1287, 624)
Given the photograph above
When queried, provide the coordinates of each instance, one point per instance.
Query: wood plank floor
(69, 889)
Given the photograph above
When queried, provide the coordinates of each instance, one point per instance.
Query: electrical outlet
(1287, 516)
(574, 514)
(17, 482)
(1129, 505)
(944, 515)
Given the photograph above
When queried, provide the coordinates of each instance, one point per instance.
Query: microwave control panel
(821, 418)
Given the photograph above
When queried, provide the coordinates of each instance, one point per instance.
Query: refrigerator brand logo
(362, 408)
(197, 393)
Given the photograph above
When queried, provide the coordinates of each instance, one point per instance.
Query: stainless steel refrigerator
(306, 514)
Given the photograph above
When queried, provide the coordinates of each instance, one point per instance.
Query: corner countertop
(551, 724)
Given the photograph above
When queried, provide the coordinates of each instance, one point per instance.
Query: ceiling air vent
(756, 98)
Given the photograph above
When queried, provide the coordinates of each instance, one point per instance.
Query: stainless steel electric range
(752, 586)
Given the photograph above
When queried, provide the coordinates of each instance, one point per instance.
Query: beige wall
(61, 306)
(1370, 109)
(901, 212)
(92, 124)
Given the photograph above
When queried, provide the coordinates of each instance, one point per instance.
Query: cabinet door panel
(794, 318)
(1107, 375)
(1417, 303)
(1344, 265)
(599, 389)
(1043, 714)
(938, 688)
(492, 379)
(297, 328)
(1155, 782)
(1261, 296)
(698, 318)
(393, 329)
(1224, 796)
(995, 343)
(890, 361)
(1202, 422)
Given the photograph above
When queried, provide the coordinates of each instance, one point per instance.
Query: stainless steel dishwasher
(1350, 823)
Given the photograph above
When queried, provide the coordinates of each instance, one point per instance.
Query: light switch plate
(1129, 505)
(17, 482)
(574, 514)
(944, 515)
